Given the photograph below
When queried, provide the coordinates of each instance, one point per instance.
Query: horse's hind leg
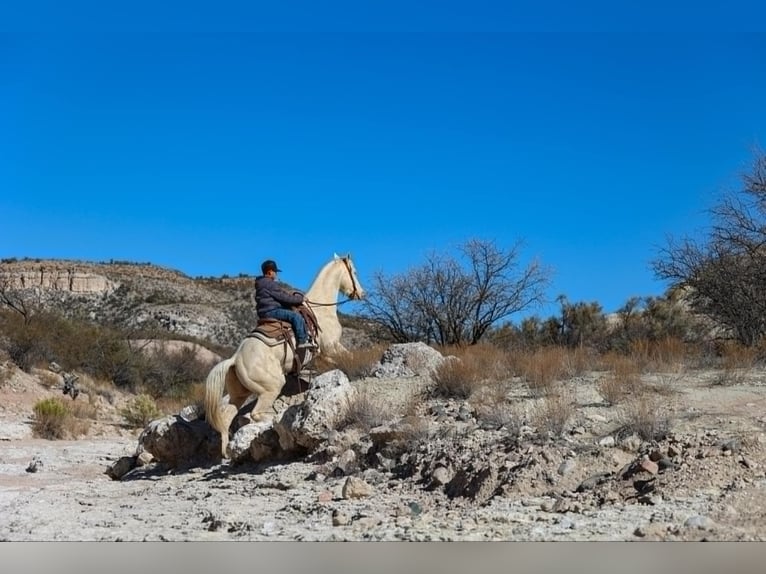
(264, 408)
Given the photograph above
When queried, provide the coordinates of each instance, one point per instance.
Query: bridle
(354, 290)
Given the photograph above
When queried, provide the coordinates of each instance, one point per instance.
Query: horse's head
(349, 283)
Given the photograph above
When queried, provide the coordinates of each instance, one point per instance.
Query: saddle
(275, 332)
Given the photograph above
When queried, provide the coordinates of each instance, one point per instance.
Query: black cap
(270, 265)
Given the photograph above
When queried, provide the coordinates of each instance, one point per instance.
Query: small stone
(649, 466)
(747, 463)
(698, 521)
(631, 443)
(122, 467)
(665, 463)
(144, 458)
(566, 467)
(441, 476)
(355, 488)
(340, 519)
(732, 445)
(607, 441)
(324, 496)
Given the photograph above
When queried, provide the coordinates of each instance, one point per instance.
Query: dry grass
(466, 369)
(493, 409)
(542, 368)
(85, 409)
(49, 380)
(54, 419)
(365, 411)
(6, 372)
(646, 416)
(457, 377)
(194, 395)
(577, 362)
(668, 383)
(555, 410)
(623, 378)
(670, 353)
(736, 362)
(356, 364)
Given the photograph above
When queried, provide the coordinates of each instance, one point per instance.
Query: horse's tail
(214, 387)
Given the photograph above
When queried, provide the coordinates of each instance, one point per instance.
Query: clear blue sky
(207, 141)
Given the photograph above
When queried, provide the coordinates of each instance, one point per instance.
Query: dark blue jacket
(271, 294)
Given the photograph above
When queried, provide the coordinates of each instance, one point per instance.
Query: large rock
(306, 425)
(408, 360)
(181, 443)
(256, 442)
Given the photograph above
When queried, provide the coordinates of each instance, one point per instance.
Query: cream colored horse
(260, 369)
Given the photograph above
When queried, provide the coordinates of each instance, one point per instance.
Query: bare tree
(26, 304)
(448, 300)
(725, 273)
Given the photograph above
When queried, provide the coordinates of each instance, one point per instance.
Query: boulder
(180, 443)
(408, 360)
(306, 425)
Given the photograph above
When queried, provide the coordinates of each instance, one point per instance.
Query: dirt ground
(713, 488)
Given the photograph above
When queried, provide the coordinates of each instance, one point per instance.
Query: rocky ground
(465, 477)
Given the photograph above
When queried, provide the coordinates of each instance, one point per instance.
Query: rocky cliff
(139, 297)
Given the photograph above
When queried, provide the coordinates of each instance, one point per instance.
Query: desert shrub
(555, 410)
(457, 377)
(358, 363)
(493, 410)
(26, 343)
(623, 377)
(735, 362)
(645, 416)
(542, 368)
(51, 418)
(193, 395)
(467, 369)
(140, 411)
(366, 411)
(171, 374)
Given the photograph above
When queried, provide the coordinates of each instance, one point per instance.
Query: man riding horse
(272, 301)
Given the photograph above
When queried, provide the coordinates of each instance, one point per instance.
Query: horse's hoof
(261, 417)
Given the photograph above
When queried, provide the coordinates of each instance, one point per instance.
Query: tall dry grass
(555, 410)
(467, 369)
(647, 416)
(542, 368)
(735, 363)
(355, 363)
(621, 379)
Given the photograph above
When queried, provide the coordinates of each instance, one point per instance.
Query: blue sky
(209, 141)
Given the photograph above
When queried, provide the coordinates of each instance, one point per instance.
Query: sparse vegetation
(52, 419)
(541, 369)
(140, 411)
(555, 410)
(645, 416)
(366, 411)
(358, 363)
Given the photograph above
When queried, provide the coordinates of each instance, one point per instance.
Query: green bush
(140, 411)
(52, 418)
